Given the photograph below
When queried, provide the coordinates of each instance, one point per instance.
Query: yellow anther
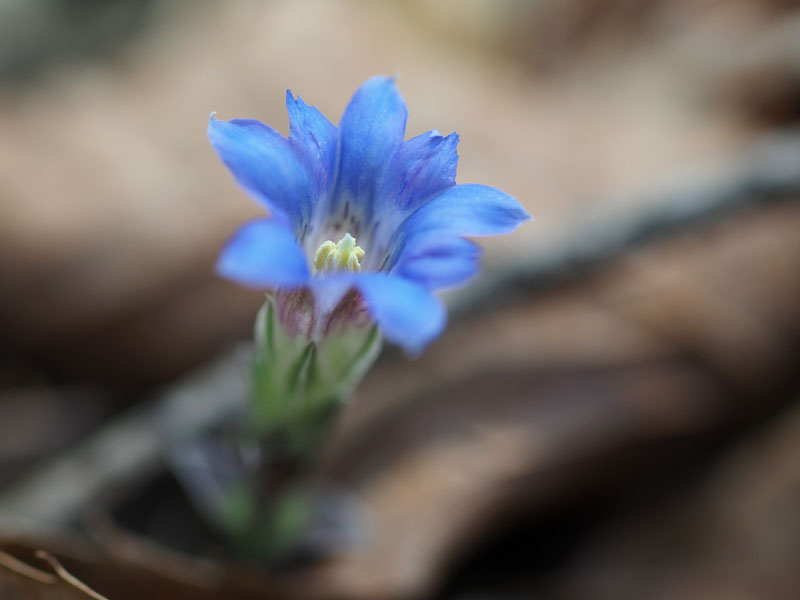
(322, 257)
(342, 256)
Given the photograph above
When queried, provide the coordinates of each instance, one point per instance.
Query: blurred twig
(22, 568)
(68, 577)
(768, 172)
(127, 448)
(61, 574)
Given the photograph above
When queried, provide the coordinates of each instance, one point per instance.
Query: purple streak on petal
(318, 137)
(423, 167)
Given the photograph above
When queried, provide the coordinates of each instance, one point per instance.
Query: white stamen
(342, 256)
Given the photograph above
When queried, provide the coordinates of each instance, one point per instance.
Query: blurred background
(614, 410)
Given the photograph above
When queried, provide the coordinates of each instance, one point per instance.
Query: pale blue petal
(467, 209)
(371, 130)
(315, 133)
(422, 168)
(434, 229)
(437, 263)
(407, 313)
(266, 165)
(330, 289)
(264, 254)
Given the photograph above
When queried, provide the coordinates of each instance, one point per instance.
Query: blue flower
(329, 188)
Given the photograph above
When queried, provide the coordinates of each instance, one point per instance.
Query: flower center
(342, 256)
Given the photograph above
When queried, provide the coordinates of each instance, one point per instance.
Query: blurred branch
(68, 577)
(22, 568)
(125, 450)
(766, 173)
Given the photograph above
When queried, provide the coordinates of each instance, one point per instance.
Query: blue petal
(266, 165)
(371, 130)
(264, 254)
(423, 167)
(329, 290)
(407, 313)
(466, 209)
(318, 137)
(435, 229)
(437, 262)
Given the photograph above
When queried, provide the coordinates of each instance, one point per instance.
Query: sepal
(306, 365)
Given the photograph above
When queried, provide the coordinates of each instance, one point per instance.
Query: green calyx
(299, 382)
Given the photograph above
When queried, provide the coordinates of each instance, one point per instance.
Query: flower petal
(467, 209)
(407, 313)
(423, 167)
(371, 130)
(314, 132)
(434, 230)
(264, 254)
(437, 263)
(329, 290)
(266, 165)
